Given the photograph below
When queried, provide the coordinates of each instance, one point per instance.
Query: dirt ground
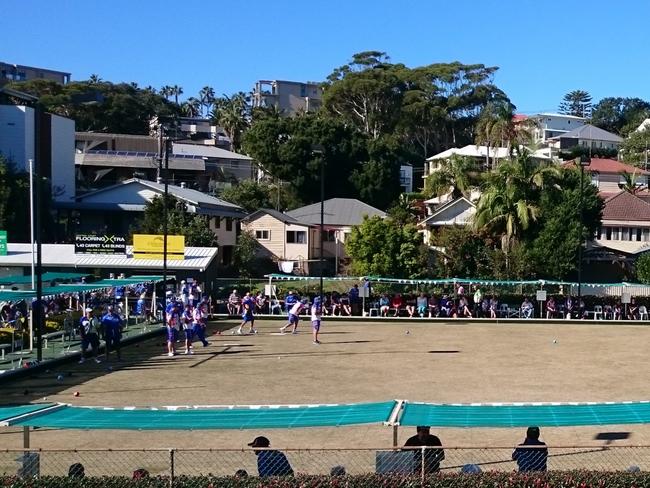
(357, 362)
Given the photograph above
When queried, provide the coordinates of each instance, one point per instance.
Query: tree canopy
(620, 115)
(101, 106)
(180, 221)
(576, 103)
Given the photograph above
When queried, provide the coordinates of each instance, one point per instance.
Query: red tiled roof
(599, 165)
(519, 117)
(625, 206)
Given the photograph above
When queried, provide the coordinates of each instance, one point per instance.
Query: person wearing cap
(290, 300)
(112, 325)
(89, 336)
(432, 457)
(294, 317)
(316, 312)
(531, 455)
(270, 462)
(187, 318)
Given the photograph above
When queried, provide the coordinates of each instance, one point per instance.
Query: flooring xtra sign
(89, 244)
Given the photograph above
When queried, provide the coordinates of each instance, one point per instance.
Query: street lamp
(317, 149)
(584, 162)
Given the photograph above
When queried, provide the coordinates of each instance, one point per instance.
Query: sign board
(151, 246)
(91, 244)
(3, 242)
(541, 295)
(626, 297)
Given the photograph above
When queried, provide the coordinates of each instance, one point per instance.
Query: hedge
(563, 479)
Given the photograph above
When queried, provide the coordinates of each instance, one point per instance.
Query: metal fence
(185, 464)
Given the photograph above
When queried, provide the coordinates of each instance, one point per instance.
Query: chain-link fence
(186, 465)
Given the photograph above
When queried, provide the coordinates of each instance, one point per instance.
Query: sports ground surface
(357, 362)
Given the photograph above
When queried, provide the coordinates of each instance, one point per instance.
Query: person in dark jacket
(531, 454)
(432, 457)
(269, 461)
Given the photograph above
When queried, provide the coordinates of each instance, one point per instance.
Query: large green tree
(458, 175)
(180, 221)
(509, 206)
(233, 114)
(635, 148)
(620, 115)
(101, 106)
(554, 249)
(576, 103)
(252, 196)
(642, 268)
(384, 247)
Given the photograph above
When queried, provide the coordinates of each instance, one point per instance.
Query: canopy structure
(445, 281)
(47, 276)
(12, 412)
(524, 415)
(205, 418)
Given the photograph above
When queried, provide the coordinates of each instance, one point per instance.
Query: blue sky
(544, 49)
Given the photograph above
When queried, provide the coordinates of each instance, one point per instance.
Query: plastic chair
(504, 310)
(598, 312)
(643, 313)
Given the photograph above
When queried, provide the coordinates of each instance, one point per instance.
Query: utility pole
(38, 224)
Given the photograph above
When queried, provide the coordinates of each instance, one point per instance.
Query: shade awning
(188, 418)
(524, 415)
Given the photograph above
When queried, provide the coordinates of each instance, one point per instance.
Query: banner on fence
(151, 246)
(106, 244)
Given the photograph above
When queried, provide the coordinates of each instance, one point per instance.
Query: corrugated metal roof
(207, 151)
(590, 132)
(337, 211)
(282, 217)
(62, 255)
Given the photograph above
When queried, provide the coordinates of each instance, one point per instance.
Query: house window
(608, 233)
(329, 236)
(599, 233)
(646, 235)
(228, 224)
(263, 235)
(217, 222)
(595, 179)
(638, 234)
(296, 237)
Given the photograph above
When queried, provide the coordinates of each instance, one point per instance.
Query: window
(329, 236)
(296, 237)
(595, 179)
(263, 235)
(646, 235)
(608, 233)
(217, 222)
(599, 233)
(228, 224)
(638, 234)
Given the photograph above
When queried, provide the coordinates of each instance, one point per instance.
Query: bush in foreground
(556, 479)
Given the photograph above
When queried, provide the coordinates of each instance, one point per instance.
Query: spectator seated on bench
(234, 303)
(384, 305)
(346, 308)
(336, 304)
(434, 306)
(410, 305)
(397, 304)
(422, 304)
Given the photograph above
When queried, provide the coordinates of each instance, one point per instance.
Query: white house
(457, 212)
(550, 125)
(587, 136)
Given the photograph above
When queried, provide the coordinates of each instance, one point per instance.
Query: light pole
(317, 149)
(584, 162)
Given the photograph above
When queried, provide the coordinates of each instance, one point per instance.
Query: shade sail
(8, 412)
(524, 415)
(48, 276)
(203, 418)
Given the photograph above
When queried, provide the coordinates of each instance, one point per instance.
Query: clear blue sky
(543, 48)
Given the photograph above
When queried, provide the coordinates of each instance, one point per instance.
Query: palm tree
(496, 128)
(176, 91)
(191, 107)
(206, 96)
(166, 91)
(509, 202)
(233, 115)
(631, 183)
(457, 176)
(94, 79)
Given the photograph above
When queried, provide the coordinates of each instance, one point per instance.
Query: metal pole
(38, 225)
(165, 229)
(582, 177)
(31, 214)
(322, 221)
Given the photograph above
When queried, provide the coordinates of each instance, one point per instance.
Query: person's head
(317, 301)
(337, 470)
(290, 292)
(259, 442)
(140, 473)
(356, 286)
(241, 473)
(532, 433)
(76, 470)
(110, 309)
(470, 469)
(234, 292)
(423, 432)
(89, 311)
(422, 295)
(248, 293)
(188, 307)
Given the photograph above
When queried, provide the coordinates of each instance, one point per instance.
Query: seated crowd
(452, 305)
